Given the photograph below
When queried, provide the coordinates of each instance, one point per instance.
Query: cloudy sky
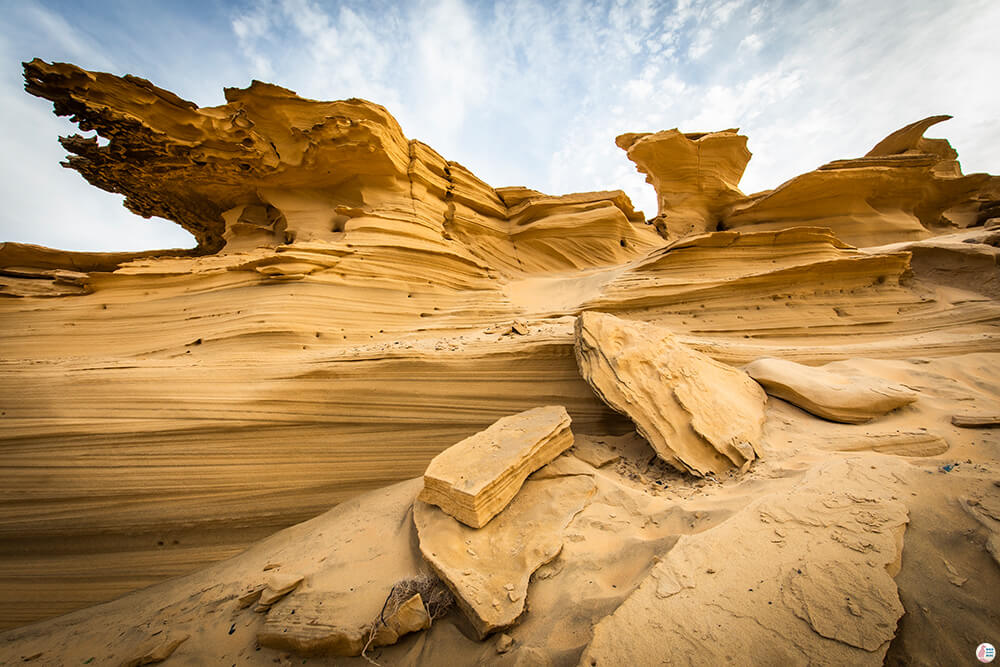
(522, 93)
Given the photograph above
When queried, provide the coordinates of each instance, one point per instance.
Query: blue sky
(522, 93)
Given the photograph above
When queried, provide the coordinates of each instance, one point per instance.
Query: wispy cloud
(527, 93)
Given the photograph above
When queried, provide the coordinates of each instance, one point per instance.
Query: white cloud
(533, 94)
(752, 43)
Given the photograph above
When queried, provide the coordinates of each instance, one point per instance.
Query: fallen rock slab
(699, 415)
(488, 569)
(318, 624)
(899, 443)
(475, 479)
(800, 577)
(976, 421)
(851, 399)
(156, 650)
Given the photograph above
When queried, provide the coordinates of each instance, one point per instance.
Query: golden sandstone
(348, 408)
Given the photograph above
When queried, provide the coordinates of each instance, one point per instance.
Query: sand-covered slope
(358, 303)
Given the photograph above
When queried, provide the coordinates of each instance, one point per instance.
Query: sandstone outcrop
(852, 400)
(695, 176)
(901, 190)
(976, 421)
(488, 569)
(477, 478)
(270, 168)
(699, 415)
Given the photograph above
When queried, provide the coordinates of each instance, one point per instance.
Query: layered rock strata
(699, 415)
(358, 303)
(695, 176)
(505, 454)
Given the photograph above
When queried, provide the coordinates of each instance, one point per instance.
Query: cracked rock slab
(488, 569)
(475, 479)
(699, 415)
(849, 399)
(799, 577)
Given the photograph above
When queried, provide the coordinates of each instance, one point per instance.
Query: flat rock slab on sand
(318, 624)
(850, 399)
(799, 577)
(475, 479)
(699, 415)
(488, 568)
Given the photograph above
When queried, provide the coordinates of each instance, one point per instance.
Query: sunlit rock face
(270, 168)
(695, 175)
(904, 189)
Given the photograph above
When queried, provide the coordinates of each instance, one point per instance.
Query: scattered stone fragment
(699, 415)
(278, 586)
(249, 598)
(848, 399)
(953, 576)
(156, 649)
(594, 452)
(476, 478)
(504, 643)
(899, 443)
(976, 421)
(478, 565)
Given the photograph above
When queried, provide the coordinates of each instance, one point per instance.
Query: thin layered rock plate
(475, 479)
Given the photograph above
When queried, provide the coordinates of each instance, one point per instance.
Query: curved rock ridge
(270, 168)
(699, 415)
(905, 188)
(852, 400)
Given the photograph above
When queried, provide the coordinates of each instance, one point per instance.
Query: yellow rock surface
(699, 415)
(475, 479)
(853, 400)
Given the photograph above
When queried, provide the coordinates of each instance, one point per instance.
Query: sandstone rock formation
(315, 626)
(852, 400)
(901, 190)
(695, 176)
(698, 414)
(475, 479)
(358, 303)
(269, 168)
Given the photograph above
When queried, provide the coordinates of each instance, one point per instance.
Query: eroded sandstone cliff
(358, 303)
